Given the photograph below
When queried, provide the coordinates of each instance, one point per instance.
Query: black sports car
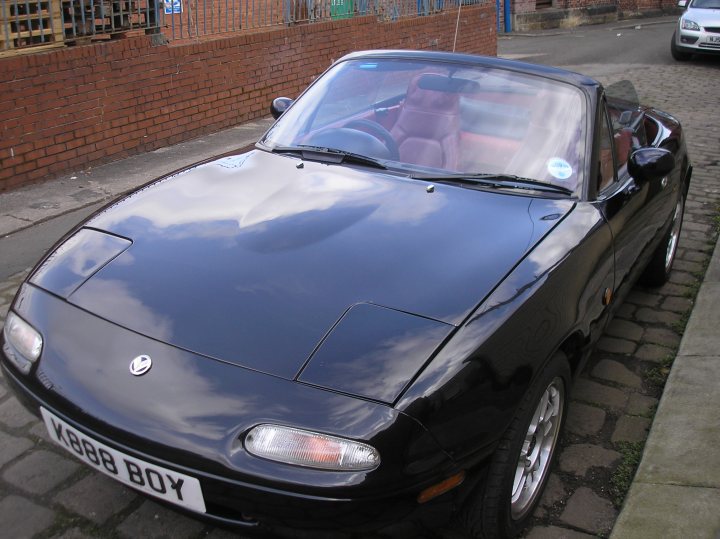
(371, 321)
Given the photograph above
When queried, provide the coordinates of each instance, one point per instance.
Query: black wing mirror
(650, 164)
(279, 105)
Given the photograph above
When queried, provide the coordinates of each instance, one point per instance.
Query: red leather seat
(623, 145)
(427, 130)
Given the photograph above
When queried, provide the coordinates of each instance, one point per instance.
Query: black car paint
(191, 412)
(638, 210)
(560, 292)
(336, 237)
(510, 315)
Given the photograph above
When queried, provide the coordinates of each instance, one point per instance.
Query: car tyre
(502, 505)
(657, 272)
(677, 54)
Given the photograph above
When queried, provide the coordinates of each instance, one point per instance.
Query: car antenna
(457, 24)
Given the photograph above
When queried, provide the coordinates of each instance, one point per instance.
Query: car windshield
(432, 117)
(706, 4)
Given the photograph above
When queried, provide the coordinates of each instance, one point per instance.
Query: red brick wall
(637, 6)
(70, 108)
(524, 6)
(572, 4)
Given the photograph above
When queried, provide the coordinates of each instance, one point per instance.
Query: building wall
(640, 6)
(573, 4)
(70, 108)
(623, 6)
(524, 6)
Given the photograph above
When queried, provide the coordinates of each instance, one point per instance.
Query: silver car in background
(698, 29)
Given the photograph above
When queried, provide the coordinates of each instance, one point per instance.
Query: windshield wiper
(329, 155)
(497, 181)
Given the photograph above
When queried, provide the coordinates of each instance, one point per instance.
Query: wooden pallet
(86, 18)
(29, 26)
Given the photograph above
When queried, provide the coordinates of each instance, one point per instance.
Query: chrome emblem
(140, 365)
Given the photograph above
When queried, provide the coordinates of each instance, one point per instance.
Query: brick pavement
(45, 493)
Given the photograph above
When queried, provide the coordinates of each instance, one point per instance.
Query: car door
(632, 208)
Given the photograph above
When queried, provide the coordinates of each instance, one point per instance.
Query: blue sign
(173, 6)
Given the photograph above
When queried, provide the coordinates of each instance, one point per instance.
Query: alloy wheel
(674, 234)
(538, 448)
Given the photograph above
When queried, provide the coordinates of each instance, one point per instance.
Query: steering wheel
(379, 132)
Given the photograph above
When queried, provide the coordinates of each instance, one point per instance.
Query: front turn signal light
(441, 488)
(23, 344)
(310, 449)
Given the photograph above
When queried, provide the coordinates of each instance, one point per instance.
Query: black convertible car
(370, 322)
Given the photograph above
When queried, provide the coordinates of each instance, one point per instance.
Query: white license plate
(714, 39)
(168, 485)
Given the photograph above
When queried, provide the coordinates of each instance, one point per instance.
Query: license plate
(168, 485)
(714, 39)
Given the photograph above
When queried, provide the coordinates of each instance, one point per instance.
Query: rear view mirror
(650, 164)
(443, 83)
(279, 105)
(682, 3)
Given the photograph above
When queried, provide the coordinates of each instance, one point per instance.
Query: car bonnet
(253, 259)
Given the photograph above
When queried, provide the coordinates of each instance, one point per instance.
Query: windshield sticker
(559, 168)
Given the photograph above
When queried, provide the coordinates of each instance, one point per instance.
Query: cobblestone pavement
(45, 493)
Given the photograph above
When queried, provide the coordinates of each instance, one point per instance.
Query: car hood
(703, 16)
(252, 259)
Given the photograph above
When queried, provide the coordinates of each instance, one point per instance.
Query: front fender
(468, 395)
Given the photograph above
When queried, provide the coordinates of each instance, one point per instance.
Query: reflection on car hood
(703, 16)
(251, 259)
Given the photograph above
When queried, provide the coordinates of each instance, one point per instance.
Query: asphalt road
(622, 42)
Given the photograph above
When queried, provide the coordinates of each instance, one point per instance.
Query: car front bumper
(188, 416)
(697, 41)
(264, 508)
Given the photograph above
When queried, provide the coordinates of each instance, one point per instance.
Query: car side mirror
(279, 105)
(682, 3)
(650, 164)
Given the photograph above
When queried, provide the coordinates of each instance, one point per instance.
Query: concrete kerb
(676, 490)
(639, 22)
